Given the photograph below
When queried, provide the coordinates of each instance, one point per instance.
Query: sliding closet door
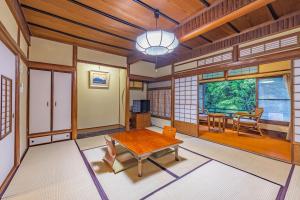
(39, 101)
(62, 92)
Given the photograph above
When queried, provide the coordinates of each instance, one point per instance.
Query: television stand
(140, 120)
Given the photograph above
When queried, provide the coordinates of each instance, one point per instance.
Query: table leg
(208, 123)
(176, 153)
(140, 168)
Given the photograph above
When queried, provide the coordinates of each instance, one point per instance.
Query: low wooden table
(142, 143)
(221, 121)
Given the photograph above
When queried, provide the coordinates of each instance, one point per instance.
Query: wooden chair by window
(117, 157)
(250, 120)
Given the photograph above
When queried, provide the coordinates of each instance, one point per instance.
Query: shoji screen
(186, 105)
(297, 100)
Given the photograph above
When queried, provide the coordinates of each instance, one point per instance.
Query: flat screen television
(141, 106)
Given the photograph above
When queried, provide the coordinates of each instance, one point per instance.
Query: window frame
(7, 80)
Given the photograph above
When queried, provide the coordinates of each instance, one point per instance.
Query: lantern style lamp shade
(156, 42)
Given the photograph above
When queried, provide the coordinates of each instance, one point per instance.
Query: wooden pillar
(127, 106)
(172, 96)
(74, 94)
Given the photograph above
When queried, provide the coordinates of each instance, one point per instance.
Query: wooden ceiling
(113, 25)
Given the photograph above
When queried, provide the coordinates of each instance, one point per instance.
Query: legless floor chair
(117, 157)
(168, 131)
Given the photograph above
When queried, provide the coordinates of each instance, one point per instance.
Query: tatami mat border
(93, 176)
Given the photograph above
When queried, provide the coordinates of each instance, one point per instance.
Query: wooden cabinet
(140, 120)
(50, 101)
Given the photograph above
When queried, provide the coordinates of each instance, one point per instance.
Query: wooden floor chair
(168, 131)
(118, 158)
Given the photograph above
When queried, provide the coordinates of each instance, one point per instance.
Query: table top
(216, 115)
(141, 142)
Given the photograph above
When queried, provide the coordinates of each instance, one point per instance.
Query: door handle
(55, 103)
(47, 104)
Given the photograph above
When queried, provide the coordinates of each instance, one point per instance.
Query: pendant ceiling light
(157, 42)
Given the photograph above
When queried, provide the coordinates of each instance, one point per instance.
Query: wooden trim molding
(48, 66)
(102, 64)
(6, 38)
(74, 94)
(7, 180)
(16, 10)
(242, 63)
(127, 102)
(133, 77)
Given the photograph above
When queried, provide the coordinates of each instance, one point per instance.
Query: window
(6, 107)
(201, 98)
(213, 75)
(242, 71)
(160, 102)
(230, 96)
(273, 96)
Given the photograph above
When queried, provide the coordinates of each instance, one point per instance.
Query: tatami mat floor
(206, 171)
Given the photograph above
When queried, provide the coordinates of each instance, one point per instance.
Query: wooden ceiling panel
(70, 28)
(255, 18)
(72, 11)
(284, 7)
(47, 34)
(139, 15)
(220, 32)
(176, 9)
(195, 42)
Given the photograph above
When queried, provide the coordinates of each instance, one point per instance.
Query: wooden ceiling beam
(14, 7)
(216, 15)
(272, 12)
(78, 37)
(234, 28)
(205, 39)
(204, 3)
(75, 22)
(156, 10)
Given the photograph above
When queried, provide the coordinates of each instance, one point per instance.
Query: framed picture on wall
(98, 79)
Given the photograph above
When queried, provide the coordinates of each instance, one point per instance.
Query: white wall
(99, 107)
(7, 144)
(101, 57)
(48, 51)
(8, 20)
(143, 68)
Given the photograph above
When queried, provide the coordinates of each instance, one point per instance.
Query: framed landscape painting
(98, 79)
